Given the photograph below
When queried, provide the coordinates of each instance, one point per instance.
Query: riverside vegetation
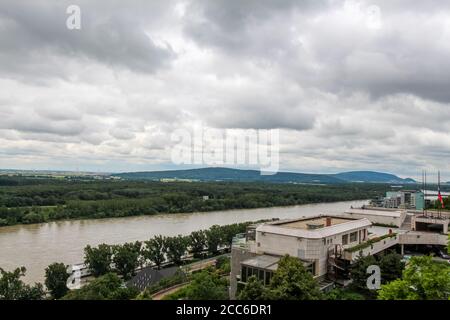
(113, 265)
(25, 200)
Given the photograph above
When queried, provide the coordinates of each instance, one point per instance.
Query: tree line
(421, 279)
(111, 265)
(43, 200)
(127, 258)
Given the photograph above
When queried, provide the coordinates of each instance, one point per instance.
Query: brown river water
(38, 245)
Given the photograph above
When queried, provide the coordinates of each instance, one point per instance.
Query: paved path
(163, 293)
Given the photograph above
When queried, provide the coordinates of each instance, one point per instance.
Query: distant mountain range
(226, 174)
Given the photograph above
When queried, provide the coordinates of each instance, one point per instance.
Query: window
(310, 268)
(345, 239)
(261, 275)
(244, 274)
(268, 277)
(353, 236)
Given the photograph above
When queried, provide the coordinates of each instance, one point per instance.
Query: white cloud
(348, 92)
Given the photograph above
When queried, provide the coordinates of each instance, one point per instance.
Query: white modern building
(328, 245)
(325, 245)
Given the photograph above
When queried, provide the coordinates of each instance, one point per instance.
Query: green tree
(223, 265)
(154, 250)
(13, 288)
(397, 290)
(391, 266)
(343, 294)
(98, 259)
(126, 258)
(213, 238)
(197, 242)
(106, 287)
(207, 285)
(422, 279)
(176, 248)
(291, 281)
(35, 292)
(230, 231)
(253, 290)
(56, 276)
(359, 274)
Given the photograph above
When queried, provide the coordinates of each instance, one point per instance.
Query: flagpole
(423, 191)
(439, 193)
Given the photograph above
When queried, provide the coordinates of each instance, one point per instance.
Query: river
(38, 245)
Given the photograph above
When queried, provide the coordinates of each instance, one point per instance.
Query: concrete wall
(388, 220)
(416, 237)
(237, 256)
(429, 220)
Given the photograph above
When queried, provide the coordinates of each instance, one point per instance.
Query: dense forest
(33, 200)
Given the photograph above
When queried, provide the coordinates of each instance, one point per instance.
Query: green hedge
(370, 242)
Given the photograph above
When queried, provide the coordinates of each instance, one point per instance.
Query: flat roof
(294, 227)
(266, 262)
(262, 262)
(317, 222)
(375, 212)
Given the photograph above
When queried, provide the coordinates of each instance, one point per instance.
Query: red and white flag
(440, 198)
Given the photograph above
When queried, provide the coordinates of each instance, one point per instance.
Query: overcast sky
(352, 85)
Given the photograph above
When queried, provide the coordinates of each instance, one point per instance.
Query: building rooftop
(267, 262)
(263, 262)
(385, 212)
(314, 227)
(313, 223)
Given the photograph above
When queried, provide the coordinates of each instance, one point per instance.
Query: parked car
(442, 253)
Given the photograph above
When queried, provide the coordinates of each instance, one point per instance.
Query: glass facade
(262, 275)
(265, 275)
(345, 239)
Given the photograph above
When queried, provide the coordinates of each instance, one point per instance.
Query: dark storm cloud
(336, 46)
(231, 24)
(35, 38)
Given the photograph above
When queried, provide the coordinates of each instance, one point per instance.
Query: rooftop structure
(379, 216)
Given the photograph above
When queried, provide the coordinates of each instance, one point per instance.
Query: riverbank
(50, 201)
(77, 219)
(38, 245)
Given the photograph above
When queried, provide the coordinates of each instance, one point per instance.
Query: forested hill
(371, 176)
(236, 175)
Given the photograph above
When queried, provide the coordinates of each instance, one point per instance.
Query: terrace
(371, 246)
